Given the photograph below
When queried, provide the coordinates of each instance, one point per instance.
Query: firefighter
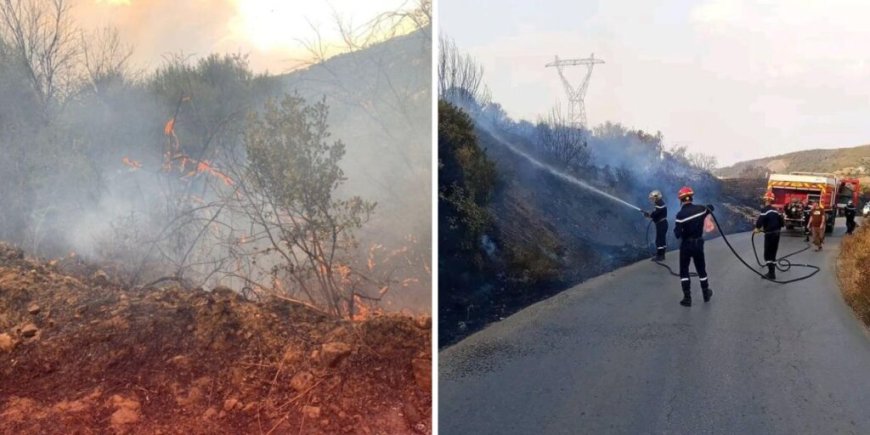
(659, 216)
(850, 212)
(807, 210)
(689, 229)
(795, 209)
(816, 224)
(770, 221)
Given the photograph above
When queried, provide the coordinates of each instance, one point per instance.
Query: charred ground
(512, 234)
(80, 354)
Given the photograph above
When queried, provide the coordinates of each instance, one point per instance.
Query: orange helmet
(685, 191)
(769, 196)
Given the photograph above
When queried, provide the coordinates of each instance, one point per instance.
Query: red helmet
(769, 196)
(685, 191)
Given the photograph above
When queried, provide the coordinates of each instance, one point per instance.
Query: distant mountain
(853, 161)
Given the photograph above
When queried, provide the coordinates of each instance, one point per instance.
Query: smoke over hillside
(312, 185)
(543, 231)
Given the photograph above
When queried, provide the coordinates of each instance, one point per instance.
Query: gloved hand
(645, 214)
(710, 207)
(757, 230)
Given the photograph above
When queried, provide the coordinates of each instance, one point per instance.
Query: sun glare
(279, 24)
(116, 2)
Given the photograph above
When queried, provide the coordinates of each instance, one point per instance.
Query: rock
(100, 278)
(126, 410)
(223, 291)
(194, 397)
(33, 309)
(311, 412)
(332, 353)
(292, 356)
(424, 322)
(411, 414)
(6, 343)
(125, 416)
(301, 381)
(29, 330)
(422, 368)
(231, 404)
(72, 407)
(209, 413)
(181, 361)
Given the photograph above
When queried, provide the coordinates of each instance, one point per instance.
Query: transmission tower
(576, 106)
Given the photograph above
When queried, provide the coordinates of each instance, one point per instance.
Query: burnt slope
(80, 354)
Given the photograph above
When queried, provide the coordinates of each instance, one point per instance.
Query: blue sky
(737, 79)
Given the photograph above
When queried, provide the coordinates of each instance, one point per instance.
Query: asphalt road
(618, 354)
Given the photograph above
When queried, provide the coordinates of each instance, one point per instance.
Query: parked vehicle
(795, 188)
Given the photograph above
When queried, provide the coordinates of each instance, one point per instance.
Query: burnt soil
(80, 354)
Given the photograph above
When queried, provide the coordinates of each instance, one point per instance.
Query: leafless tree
(561, 140)
(460, 77)
(703, 161)
(43, 36)
(104, 57)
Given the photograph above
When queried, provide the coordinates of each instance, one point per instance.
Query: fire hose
(782, 263)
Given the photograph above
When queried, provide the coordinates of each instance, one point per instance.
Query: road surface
(618, 354)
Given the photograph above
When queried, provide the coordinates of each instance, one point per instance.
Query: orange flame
(169, 128)
(363, 311)
(133, 164)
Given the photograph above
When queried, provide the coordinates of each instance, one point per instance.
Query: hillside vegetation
(512, 233)
(854, 272)
(854, 161)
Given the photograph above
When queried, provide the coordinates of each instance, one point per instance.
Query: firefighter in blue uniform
(689, 228)
(659, 216)
(850, 212)
(770, 221)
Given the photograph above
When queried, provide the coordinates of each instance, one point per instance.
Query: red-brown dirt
(79, 354)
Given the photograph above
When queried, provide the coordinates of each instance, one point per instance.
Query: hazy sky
(270, 31)
(736, 79)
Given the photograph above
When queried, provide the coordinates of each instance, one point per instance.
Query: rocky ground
(81, 354)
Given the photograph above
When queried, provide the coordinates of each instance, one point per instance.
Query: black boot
(687, 299)
(771, 272)
(708, 293)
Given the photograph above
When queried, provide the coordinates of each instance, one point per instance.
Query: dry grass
(854, 272)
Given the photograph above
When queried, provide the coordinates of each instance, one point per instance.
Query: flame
(133, 164)
(363, 310)
(203, 166)
(169, 128)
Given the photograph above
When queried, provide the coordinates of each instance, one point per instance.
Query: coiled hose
(782, 263)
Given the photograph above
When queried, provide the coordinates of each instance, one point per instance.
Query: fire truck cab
(793, 191)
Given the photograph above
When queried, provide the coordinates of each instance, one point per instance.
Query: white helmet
(655, 194)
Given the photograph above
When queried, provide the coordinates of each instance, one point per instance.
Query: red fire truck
(792, 191)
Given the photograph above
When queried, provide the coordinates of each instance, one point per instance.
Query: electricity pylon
(576, 106)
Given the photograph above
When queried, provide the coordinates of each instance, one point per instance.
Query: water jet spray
(569, 178)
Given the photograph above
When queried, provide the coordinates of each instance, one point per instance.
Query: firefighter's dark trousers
(771, 245)
(661, 237)
(692, 250)
(850, 225)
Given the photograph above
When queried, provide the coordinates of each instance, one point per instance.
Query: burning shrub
(288, 192)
